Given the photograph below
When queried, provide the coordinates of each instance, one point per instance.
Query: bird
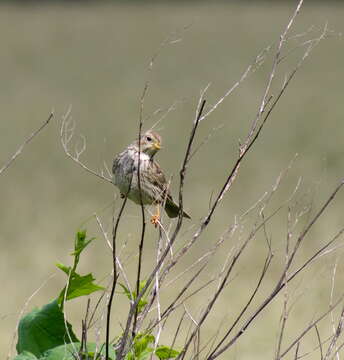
(154, 186)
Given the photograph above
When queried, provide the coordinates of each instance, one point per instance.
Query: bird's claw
(155, 220)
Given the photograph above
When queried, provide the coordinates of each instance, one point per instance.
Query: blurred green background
(95, 57)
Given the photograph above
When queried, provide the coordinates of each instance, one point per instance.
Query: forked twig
(253, 136)
(283, 281)
(67, 130)
(311, 325)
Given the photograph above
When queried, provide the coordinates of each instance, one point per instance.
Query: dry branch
(167, 257)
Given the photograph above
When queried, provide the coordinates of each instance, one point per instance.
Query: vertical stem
(139, 265)
(114, 267)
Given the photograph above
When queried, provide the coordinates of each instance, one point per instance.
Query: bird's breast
(125, 173)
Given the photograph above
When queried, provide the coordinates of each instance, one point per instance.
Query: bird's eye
(149, 138)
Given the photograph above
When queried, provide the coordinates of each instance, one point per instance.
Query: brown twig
(182, 172)
(319, 341)
(311, 325)
(248, 303)
(217, 293)
(337, 333)
(282, 282)
(255, 129)
(143, 229)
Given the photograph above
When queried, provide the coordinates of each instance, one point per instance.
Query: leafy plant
(142, 350)
(77, 285)
(45, 334)
(43, 329)
(132, 296)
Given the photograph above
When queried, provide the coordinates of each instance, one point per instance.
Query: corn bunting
(154, 187)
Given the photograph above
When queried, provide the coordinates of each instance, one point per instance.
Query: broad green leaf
(69, 351)
(79, 286)
(43, 329)
(164, 352)
(25, 355)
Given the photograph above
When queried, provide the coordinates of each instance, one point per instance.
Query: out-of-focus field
(96, 58)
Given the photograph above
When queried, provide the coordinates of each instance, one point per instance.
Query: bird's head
(150, 143)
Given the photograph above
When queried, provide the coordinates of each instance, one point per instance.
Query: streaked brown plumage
(153, 182)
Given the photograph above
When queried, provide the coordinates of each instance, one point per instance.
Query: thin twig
(157, 294)
(143, 229)
(311, 325)
(319, 341)
(329, 350)
(248, 303)
(214, 298)
(114, 268)
(286, 294)
(119, 264)
(26, 142)
(66, 136)
(282, 282)
(337, 333)
(27, 302)
(143, 291)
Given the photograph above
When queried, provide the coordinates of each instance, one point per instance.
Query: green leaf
(142, 303)
(130, 356)
(146, 354)
(142, 285)
(81, 242)
(132, 296)
(141, 351)
(79, 286)
(69, 351)
(43, 329)
(64, 268)
(164, 352)
(141, 343)
(126, 291)
(25, 355)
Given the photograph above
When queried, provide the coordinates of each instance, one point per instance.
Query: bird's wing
(160, 182)
(115, 164)
(159, 179)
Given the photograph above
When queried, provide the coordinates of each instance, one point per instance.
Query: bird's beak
(157, 146)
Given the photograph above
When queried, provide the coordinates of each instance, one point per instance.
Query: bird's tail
(172, 209)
